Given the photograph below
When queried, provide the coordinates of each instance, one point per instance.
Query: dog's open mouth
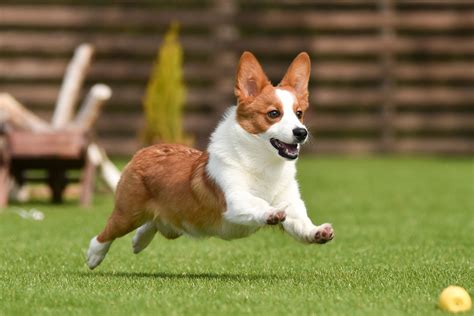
(289, 151)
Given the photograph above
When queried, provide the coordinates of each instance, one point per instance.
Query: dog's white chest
(268, 184)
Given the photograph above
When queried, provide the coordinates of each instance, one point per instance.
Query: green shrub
(165, 94)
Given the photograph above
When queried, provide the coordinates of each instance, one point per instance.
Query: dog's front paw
(323, 234)
(276, 218)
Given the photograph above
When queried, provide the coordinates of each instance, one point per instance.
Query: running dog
(244, 181)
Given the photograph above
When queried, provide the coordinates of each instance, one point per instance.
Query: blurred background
(388, 77)
(392, 76)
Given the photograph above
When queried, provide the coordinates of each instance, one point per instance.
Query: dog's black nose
(300, 133)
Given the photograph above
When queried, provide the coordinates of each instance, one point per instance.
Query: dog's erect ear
(297, 75)
(250, 78)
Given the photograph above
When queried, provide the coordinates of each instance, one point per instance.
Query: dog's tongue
(285, 150)
(291, 149)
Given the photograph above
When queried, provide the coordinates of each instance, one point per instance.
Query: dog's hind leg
(167, 231)
(119, 224)
(96, 252)
(147, 231)
(144, 236)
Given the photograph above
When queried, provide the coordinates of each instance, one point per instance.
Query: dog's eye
(299, 114)
(273, 114)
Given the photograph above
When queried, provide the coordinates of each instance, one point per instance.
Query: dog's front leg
(243, 207)
(302, 229)
(299, 225)
(246, 209)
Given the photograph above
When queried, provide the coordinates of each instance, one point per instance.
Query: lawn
(404, 231)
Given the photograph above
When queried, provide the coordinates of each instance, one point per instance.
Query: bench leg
(4, 178)
(4, 185)
(87, 183)
(57, 182)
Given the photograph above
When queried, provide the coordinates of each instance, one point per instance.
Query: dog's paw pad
(276, 218)
(323, 234)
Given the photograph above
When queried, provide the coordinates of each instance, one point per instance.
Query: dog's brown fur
(167, 183)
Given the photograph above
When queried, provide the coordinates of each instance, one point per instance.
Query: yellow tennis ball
(455, 299)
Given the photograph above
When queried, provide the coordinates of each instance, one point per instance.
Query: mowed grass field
(404, 231)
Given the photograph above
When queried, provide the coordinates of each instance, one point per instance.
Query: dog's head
(274, 114)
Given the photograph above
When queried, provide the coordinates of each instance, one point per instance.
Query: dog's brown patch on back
(168, 183)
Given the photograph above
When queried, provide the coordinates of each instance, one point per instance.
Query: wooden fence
(388, 75)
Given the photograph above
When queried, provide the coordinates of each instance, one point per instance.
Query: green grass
(404, 231)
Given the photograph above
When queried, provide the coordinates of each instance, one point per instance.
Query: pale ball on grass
(455, 299)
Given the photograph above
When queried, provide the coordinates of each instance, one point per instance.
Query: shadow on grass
(180, 276)
(44, 202)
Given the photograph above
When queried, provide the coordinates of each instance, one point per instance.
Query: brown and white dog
(245, 179)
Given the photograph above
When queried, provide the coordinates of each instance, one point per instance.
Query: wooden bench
(28, 142)
(56, 152)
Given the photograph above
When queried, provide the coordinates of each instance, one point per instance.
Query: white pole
(91, 107)
(71, 86)
(109, 172)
